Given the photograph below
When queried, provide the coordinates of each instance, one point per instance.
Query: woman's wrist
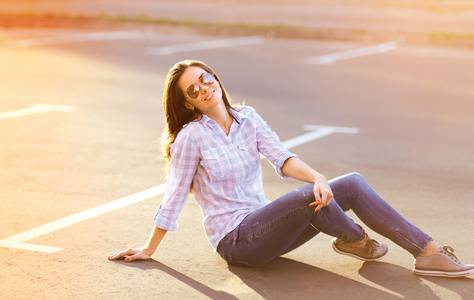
(154, 240)
(317, 177)
(149, 250)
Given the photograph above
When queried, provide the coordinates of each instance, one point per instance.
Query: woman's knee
(356, 176)
(347, 188)
(355, 180)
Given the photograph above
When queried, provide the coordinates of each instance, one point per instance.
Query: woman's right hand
(145, 252)
(131, 254)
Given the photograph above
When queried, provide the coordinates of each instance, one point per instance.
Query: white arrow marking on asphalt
(35, 109)
(224, 43)
(18, 241)
(79, 38)
(330, 58)
(316, 132)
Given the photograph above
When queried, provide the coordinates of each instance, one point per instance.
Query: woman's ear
(188, 106)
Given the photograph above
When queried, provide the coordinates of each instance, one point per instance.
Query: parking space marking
(79, 38)
(35, 109)
(207, 45)
(333, 57)
(317, 132)
(18, 241)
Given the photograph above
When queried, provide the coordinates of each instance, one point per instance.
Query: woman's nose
(204, 89)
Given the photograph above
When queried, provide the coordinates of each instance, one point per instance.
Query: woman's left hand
(322, 193)
(297, 169)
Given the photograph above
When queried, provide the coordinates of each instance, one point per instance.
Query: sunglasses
(193, 90)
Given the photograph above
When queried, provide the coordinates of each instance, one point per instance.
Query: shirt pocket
(248, 148)
(216, 162)
(249, 155)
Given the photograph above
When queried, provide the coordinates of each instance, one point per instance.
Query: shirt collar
(238, 116)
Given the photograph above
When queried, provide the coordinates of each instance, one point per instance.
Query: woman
(214, 151)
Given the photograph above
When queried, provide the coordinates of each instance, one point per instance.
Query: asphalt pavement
(81, 179)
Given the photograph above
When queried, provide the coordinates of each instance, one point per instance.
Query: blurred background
(426, 21)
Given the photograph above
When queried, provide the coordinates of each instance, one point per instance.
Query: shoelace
(450, 252)
(373, 244)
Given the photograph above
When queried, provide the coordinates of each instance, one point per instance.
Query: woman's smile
(210, 96)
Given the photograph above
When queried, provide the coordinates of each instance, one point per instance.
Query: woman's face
(209, 95)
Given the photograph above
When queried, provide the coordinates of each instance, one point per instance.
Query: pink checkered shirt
(225, 170)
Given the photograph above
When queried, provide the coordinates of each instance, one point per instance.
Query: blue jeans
(288, 222)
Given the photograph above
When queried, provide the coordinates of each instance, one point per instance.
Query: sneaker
(370, 250)
(441, 263)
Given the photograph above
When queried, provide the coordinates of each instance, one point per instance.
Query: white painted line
(35, 109)
(351, 130)
(330, 58)
(18, 241)
(78, 38)
(30, 247)
(317, 132)
(223, 43)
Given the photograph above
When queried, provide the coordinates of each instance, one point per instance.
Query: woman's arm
(297, 169)
(145, 252)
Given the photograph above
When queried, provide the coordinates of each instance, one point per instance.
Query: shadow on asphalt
(294, 280)
(285, 278)
(152, 264)
(290, 279)
(404, 282)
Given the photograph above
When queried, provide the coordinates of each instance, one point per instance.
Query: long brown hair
(176, 114)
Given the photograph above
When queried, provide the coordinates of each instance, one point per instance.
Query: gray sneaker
(441, 263)
(368, 251)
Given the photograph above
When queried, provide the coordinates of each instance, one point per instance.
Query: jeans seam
(396, 231)
(378, 220)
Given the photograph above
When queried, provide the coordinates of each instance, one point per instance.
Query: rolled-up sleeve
(269, 144)
(182, 167)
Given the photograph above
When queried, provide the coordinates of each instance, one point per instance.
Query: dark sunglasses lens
(208, 78)
(193, 91)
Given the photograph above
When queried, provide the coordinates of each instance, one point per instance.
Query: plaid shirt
(225, 171)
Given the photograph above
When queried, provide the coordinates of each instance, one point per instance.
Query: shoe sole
(354, 255)
(443, 273)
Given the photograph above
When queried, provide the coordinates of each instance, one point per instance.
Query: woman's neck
(222, 117)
